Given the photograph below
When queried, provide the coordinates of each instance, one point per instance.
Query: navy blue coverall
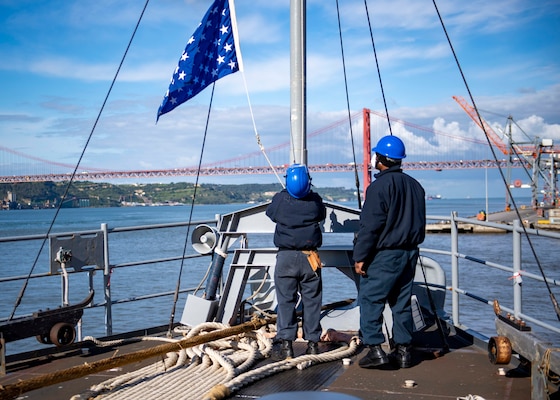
(297, 228)
(392, 225)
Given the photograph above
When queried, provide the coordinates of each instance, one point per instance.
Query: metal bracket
(85, 251)
(2, 355)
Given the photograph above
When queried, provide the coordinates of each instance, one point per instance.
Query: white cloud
(53, 87)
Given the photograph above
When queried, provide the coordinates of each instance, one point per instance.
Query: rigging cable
(257, 136)
(552, 297)
(357, 180)
(71, 180)
(378, 70)
(185, 245)
(510, 118)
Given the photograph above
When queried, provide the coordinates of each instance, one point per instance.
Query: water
(132, 282)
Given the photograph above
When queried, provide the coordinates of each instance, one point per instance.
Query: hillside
(90, 194)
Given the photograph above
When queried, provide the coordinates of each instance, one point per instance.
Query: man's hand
(358, 267)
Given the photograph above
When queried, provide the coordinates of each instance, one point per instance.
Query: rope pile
(545, 366)
(209, 371)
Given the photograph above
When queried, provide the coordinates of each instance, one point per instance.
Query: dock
(531, 218)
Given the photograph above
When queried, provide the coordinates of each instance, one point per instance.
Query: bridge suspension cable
(433, 150)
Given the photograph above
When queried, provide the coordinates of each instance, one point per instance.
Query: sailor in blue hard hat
(298, 212)
(298, 181)
(392, 225)
(390, 148)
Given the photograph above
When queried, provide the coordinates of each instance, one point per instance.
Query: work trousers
(294, 275)
(389, 280)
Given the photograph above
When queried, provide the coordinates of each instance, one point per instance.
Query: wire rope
(357, 180)
(378, 69)
(504, 180)
(193, 200)
(67, 189)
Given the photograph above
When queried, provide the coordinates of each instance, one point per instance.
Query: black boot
(286, 350)
(375, 358)
(312, 348)
(403, 356)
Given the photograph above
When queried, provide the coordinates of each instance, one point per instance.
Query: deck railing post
(517, 280)
(455, 269)
(107, 281)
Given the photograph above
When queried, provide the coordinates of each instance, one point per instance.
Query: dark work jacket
(393, 215)
(297, 220)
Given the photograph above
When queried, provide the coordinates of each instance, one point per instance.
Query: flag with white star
(210, 54)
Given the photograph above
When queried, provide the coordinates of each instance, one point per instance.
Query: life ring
(499, 350)
(517, 183)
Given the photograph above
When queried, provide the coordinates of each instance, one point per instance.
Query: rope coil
(210, 371)
(545, 366)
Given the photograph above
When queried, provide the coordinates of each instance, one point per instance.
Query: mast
(298, 70)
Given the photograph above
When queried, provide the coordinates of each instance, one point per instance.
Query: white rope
(257, 136)
(199, 372)
(66, 283)
(186, 374)
(301, 362)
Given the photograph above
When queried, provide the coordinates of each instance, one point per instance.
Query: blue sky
(59, 58)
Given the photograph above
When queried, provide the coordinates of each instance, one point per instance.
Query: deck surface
(464, 370)
(461, 372)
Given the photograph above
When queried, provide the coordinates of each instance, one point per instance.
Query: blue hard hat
(298, 182)
(391, 147)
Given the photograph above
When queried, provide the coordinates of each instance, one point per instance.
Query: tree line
(27, 195)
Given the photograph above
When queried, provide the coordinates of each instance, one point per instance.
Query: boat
(221, 346)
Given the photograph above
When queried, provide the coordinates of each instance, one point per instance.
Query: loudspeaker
(204, 239)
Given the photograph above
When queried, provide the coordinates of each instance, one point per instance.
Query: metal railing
(452, 255)
(107, 238)
(513, 272)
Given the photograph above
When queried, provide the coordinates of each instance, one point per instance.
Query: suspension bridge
(427, 149)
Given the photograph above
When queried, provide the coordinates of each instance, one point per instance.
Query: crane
(513, 148)
(482, 124)
(532, 154)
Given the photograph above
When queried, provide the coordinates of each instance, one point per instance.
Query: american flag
(210, 54)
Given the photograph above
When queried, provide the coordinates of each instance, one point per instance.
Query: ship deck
(464, 370)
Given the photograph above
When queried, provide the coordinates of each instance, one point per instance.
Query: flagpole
(298, 121)
(235, 34)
